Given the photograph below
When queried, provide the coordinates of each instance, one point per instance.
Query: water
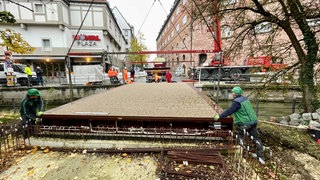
(265, 110)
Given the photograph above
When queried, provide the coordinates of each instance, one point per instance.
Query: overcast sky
(136, 14)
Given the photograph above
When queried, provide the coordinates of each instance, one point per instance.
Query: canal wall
(270, 93)
(61, 94)
(51, 94)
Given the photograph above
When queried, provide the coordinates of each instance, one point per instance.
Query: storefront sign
(86, 40)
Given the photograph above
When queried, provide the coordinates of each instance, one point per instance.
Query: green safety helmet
(33, 92)
(237, 90)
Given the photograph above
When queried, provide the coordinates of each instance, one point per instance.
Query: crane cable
(145, 17)
(67, 56)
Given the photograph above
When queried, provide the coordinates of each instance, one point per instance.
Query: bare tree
(288, 29)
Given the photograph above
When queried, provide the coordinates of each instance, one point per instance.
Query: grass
(290, 138)
(8, 116)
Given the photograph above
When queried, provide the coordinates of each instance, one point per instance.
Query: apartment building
(79, 29)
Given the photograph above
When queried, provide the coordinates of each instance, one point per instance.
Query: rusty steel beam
(123, 121)
(133, 118)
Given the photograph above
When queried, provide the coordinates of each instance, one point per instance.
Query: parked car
(17, 70)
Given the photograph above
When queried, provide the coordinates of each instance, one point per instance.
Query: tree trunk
(307, 86)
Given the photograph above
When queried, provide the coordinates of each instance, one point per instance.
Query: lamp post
(47, 61)
(69, 74)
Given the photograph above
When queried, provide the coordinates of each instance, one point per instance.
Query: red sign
(86, 40)
(84, 37)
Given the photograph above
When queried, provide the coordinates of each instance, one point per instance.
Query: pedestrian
(125, 75)
(39, 73)
(169, 76)
(31, 110)
(132, 72)
(28, 71)
(245, 120)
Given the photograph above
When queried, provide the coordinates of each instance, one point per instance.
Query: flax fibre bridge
(144, 110)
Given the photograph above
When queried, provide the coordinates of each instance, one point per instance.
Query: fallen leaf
(129, 160)
(211, 167)
(124, 155)
(185, 163)
(84, 151)
(177, 169)
(46, 150)
(272, 175)
(188, 171)
(31, 172)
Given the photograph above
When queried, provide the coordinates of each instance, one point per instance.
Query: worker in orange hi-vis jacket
(156, 77)
(110, 75)
(125, 75)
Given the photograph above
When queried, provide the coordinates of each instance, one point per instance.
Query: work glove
(216, 117)
(39, 113)
(38, 120)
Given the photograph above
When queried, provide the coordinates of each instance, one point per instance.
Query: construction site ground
(38, 164)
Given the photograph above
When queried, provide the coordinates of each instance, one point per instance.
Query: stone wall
(54, 94)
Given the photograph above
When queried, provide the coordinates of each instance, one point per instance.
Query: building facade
(186, 30)
(66, 32)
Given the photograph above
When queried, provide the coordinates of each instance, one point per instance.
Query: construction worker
(125, 75)
(115, 75)
(31, 109)
(110, 75)
(28, 71)
(245, 120)
(156, 78)
(169, 77)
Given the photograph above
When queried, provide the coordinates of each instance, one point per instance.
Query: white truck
(17, 72)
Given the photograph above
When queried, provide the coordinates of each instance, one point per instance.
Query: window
(126, 33)
(229, 2)
(1, 67)
(184, 20)
(38, 8)
(226, 32)
(177, 27)
(110, 24)
(177, 10)
(184, 2)
(313, 22)
(46, 45)
(172, 33)
(263, 27)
